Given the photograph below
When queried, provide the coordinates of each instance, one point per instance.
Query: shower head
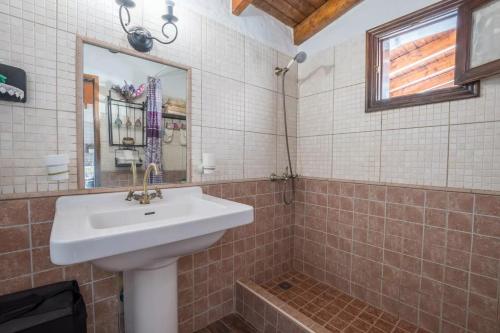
(299, 58)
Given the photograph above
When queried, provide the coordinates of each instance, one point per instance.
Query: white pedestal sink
(144, 242)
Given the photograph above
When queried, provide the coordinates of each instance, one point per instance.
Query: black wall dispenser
(12, 84)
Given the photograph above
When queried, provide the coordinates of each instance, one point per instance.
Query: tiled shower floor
(329, 310)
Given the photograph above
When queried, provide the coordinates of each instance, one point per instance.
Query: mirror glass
(134, 112)
(485, 30)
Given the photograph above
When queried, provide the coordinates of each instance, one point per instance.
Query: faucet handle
(158, 193)
(130, 195)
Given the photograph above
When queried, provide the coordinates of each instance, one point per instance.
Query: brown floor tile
(352, 329)
(407, 326)
(346, 316)
(332, 310)
(319, 320)
(367, 318)
(332, 328)
(361, 325)
(384, 326)
(338, 323)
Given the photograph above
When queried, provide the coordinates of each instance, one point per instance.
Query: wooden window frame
(97, 126)
(463, 72)
(374, 40)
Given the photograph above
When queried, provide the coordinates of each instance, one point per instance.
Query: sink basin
(143, 241)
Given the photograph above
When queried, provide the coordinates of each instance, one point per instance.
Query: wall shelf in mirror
(173, 116)
(123, 156)
(126, 121)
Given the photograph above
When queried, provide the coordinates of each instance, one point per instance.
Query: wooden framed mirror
(116, 107)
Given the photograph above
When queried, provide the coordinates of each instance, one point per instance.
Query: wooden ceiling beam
(326, 14)
(315, 3)
(239, 6)
(287, 9)
(303, 6)
(271, 10)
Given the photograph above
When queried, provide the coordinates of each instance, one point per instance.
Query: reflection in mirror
(134, 113)
(420, 59)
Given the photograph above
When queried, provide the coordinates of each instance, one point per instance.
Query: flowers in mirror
(139, 37)
(129, 92)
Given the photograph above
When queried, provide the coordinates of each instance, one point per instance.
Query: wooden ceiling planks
(286, 8)
(303, 6)
(307, 17)
(326, 14)
(271, 10)
(316, 3)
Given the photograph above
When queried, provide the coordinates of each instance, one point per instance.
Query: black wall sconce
(139, 37)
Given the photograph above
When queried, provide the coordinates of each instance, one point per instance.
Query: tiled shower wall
(454, 144)
(259, 251)
(235, 93)
(431, 257)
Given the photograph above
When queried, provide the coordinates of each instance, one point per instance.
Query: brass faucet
(145, 197)
(130, 194)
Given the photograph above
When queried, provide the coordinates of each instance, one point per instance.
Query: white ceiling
(252, 22)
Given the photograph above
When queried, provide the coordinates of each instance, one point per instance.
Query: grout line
(380, 154)
(30, 245)
(337, 134)
(332, 171)
(419, 310)
(469, 273)
(93, 295)
(244, 108)
(448, 148)
(332, 90)
(383, 246)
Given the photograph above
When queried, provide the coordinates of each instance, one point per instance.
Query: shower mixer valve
(285, 176)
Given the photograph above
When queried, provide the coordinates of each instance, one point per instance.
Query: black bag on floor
(57, 308)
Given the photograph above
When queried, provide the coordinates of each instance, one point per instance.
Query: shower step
(309, 306)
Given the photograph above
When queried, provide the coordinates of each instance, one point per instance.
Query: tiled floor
(334, 310)
(230, 324)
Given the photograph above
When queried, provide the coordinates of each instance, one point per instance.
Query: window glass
(419, 59)
(485, 30)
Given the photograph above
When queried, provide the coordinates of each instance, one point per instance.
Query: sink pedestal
(150, 297)
(144, 242)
